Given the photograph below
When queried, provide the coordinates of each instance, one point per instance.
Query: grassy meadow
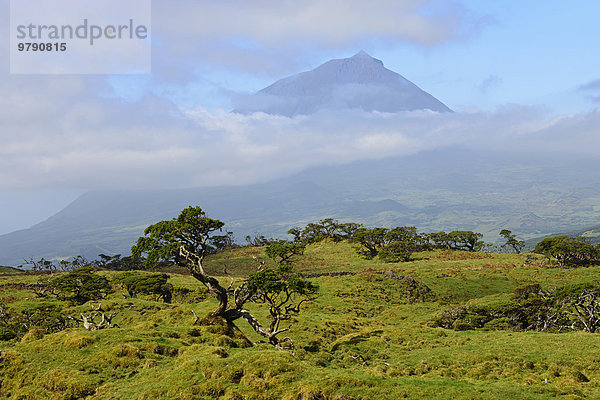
(361, 338)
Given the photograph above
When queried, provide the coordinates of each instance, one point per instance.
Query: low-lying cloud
(72, 141)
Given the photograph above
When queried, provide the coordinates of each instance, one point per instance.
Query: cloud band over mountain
(98, 143)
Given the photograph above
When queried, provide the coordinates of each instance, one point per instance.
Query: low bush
(570, 307)
(41, 318)
(134, 283)
(81, 285)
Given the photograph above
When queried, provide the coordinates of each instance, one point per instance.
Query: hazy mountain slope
(590, 233)
(358, 82)
(438, 190)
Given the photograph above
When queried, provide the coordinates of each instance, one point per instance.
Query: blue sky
(514, 71)
(537, 53)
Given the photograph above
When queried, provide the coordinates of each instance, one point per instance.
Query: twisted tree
(189, 238)
(512, 241)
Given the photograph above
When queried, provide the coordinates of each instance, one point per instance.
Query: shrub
(499, 324)
(396, 252)
(189, 296)
(470, 322)
(146, 284)
(81, 285)
(575, 307)
(8, 332)
(40, 318)
(524, 292)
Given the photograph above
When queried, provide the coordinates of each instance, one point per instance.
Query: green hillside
(363, 337)
(486, 192)
(10, 270)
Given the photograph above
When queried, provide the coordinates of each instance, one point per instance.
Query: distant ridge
(358, 82)
(590, 233)
(444, 189)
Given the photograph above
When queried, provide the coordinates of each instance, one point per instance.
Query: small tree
(49, 318)
(119, 263)
(331, 229)
(41, 265)
(222, 242)
(465, 240)
(296, 233)
(259, 240)
(281, 288)
(187, 240)
(511, 241)
(284, 252)
(440, 240)
(369, 240)
(568, 251)
(348, 229)
(283, 291)
(324, 229)
(407, 234)
(327, 228)
(392, 245)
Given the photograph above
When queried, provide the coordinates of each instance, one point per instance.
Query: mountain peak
(361, 54)
(357, 82)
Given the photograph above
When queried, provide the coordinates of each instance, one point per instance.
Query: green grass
(10, 271)
(360, 339)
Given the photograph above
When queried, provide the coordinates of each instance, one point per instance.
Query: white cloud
(277, 37)
(75, 141)
(329, 23)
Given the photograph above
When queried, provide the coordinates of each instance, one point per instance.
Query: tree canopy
(512, 241)
(568, 251)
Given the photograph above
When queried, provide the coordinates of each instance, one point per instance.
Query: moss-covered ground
(362, 338)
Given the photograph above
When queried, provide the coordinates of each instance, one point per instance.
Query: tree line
(390, 245)
(399, 243)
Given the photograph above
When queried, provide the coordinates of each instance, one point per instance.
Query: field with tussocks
(366, 336)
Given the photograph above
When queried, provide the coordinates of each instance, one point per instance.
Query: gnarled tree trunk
(241, 296)
(194, 265)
